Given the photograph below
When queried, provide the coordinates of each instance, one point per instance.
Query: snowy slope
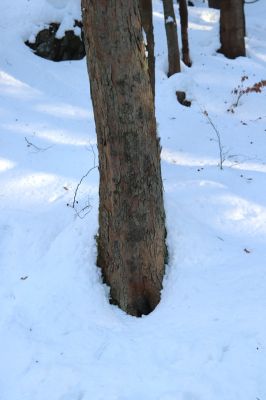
(59, 337)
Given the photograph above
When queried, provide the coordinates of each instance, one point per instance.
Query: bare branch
(222, 154)
(74, 203)
(38, 149)
(80, 182)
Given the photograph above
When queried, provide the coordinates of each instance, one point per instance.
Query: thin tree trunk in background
(215, 4)
(147, 24)
(183, 11)
(232, 28)
(244, 18)
(172, 38)
(131, 241)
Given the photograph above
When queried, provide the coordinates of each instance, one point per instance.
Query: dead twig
(87, 207)
(240, 91)
(38, 149)
(222, 154)
(78, 185)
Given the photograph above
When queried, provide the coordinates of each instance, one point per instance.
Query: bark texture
(232, 28)
(131, 242)
(184, 32)
(172, 38)
(215, 4)
(147, 24)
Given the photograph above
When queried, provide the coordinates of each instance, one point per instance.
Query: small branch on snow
(78, 185)
(257, 119)
(241, 90)
(222, 154)
(38, 149)
(80, 213)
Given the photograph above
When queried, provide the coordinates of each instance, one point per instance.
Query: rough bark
(232, 28)
(131, 241)
(184, 32)
(147, 24)
(172, 38)
(215, 4)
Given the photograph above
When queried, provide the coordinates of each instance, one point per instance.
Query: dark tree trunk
(232, 28)
(184, 32)
(172, 39)
(147, 24)
(131, 242)
(215, 4)
(244, 18)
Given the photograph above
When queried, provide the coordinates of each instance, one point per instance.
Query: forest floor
(60, 339)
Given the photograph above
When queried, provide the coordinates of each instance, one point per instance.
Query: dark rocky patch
(181, 98)
(70, 47)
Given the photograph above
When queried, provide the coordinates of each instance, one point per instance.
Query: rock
(181, 98)
(70, 47)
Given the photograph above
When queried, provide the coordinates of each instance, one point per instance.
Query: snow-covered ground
(60, 339)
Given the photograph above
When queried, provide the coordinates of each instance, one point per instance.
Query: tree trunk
(244, 18)
(172, 39)
(232, 28)
(215, 4)
(147, 24)
(184, 32)
(131, 242)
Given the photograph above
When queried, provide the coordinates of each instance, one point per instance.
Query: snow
(60, 339)
(169, 20)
